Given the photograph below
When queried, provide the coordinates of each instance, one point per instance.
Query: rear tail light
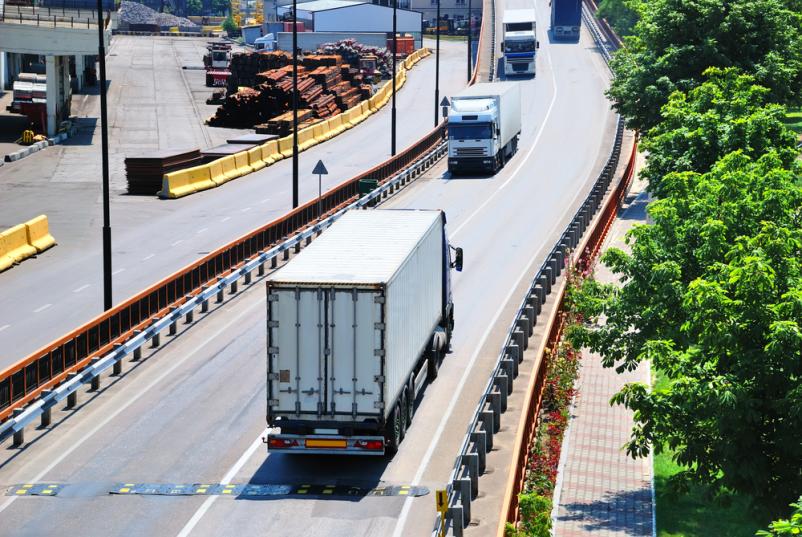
(373, 445)
(281, 443)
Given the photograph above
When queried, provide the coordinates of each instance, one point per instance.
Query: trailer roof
(362, 247)
(487, 89)
(518, 15)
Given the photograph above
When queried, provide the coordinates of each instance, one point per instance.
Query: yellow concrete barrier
(15, 240)
(38, 233)
(270, 152)
(6, 261)
(229, 166)
(321, 131)
(216, 173)
(336, 124)
(285, 146)
(255, 160)
(365, 108)
(242, 164)
(306, 138)
(184, 182)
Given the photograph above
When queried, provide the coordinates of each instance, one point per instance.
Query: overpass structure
(185, 422)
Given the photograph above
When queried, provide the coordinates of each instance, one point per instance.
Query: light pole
(294, 104)
(395, 55)
(320, 170)
(437, 68)
(104, 151)
(470, 31)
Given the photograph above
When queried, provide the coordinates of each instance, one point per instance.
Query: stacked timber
(144, 173)
(282, 125)
(246, 65)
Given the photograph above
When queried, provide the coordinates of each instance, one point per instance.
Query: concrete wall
(29, 39)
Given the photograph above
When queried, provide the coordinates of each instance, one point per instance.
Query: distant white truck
(520, 42)
(484, 123)
(356, 324)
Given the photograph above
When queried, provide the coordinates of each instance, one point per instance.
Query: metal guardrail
(50, 16)
(463, 483)
(122, 329)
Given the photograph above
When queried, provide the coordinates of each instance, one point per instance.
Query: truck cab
(520, 42)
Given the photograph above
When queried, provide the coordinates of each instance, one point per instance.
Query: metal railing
(463, 483)
(124, 326)
(52, 16)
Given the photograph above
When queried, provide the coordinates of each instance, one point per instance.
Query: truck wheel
(402, 406)
(410, 400)
(392, 434)
(433, 363)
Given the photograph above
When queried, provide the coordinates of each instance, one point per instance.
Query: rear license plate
(313, 443)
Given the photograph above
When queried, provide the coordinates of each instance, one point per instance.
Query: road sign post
(320, 170)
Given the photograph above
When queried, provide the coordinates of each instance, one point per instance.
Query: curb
(33, 148)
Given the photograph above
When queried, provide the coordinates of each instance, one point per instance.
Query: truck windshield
(519, 46)
(476, 131)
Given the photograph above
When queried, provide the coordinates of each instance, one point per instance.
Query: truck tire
(410, 400)
(433, 364)
(392, 434)
(402, 406)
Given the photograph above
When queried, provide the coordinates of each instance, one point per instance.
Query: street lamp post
(104, 151)
(294, 104)
(395, 55)
(437, 69)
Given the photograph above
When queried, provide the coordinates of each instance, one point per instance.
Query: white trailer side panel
(510, 112)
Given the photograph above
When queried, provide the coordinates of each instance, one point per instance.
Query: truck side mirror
(458, 260)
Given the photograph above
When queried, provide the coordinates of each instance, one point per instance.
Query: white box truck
(355, 325)
(484, 122)
(520, 42)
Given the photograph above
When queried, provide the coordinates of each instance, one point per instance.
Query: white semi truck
(356, 323)
(484, 123)
(520, 42)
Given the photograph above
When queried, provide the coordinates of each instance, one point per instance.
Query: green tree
(711, 295)
(194, 7)
(621, 14)
(229, 26)
(728, 112)
(220, 7)
(675, 41)
(786, 527)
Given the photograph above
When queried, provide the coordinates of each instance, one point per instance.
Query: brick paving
(604, 492)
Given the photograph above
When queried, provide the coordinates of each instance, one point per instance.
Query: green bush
(786, 527)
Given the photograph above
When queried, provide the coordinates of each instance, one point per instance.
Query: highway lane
(45, 298)
(199, 405)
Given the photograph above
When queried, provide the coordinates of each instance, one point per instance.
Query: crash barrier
(80, 356)
(463, 484)
(190, 180)
(24, 240)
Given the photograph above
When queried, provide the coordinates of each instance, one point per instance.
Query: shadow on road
(623, 513)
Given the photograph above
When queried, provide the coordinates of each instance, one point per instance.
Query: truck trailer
(356, 324)
(520, 42)
(484, 123)
(566, 19)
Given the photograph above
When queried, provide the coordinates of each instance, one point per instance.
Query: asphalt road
(194, 411)
(46, 297)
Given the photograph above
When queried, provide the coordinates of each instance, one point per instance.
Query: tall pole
(437, 70)
(470, 31)
(395, 55)
(294, 104)
(104, 151)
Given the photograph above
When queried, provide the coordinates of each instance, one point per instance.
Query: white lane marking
(245, 210)
(202, 230)
(42, 308)
(225, 219)
(150, 256)
(4, 327)
(176, 243)
(133, 399)
(118, 271)
(79, 289)
(525, 159)
(230, 475)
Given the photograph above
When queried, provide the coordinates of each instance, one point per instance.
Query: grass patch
(793, 119)
(695, 514)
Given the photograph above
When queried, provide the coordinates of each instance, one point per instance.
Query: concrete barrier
(25, 240)
(38, 233)
(241, 163)
(255, 160)
(229, 165)
(16, 243)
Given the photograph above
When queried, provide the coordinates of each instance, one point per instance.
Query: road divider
(25, 240)
(191, 180)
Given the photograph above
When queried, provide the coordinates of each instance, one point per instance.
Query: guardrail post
(47, 411)
(521, 340)
(557, 262)
(205, 301)
(19, 436)
(94, 384)
(494, 401)
(297, 247)
(156, 339)
(286, 254)
(532, 309)
(72, 399)
(174, 324)
(540, 292)
(500, 381)
(220, 290)
(247, 277)
(471, 462)
(261, 269)
(138, 350)
(191, 313)
(234, 284)
(308, 240)
(457, 525)
(486, 417)
(509, 367)
(463, 485)
(514, 351)
(117, 369)
(479, 440)
(527, 314)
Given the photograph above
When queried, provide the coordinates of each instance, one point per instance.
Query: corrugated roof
(363, 246)
(322, 5)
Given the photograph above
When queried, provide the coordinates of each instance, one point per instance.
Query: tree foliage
(727, 112)
(675, 41)
(792, 526)
(711, 294)
(621, 14)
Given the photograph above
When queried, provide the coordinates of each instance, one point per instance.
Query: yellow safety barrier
(255, 160)
(6, 261)
(321, 131)
(285, 146)
(242, 164)
(38, 233)
(336, 124)
(306, 138)
(229, 166)
(270, 152)
(185, 182)
(15, 243)
(216, 173)
(365, 108)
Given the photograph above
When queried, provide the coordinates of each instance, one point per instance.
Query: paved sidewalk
(604, 492)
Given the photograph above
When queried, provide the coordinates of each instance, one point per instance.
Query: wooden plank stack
(144, 173)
